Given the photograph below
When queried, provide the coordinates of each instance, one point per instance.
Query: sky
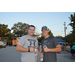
(53, 20)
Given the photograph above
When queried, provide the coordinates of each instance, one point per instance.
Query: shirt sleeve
(55, 42)
(21, 41)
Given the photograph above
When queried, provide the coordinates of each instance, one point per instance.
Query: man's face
(45, 32)
(31, 31)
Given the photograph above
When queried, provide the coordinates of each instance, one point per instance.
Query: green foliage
(4, 30)
(71, 37)
(20, 28)
(50, 33)
(40, 38)
(10, 36)
(60, 37)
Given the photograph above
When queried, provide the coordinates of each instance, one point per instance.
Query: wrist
(48, 50)
(28, 50)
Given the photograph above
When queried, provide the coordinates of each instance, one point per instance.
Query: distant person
(62, 46)
(28, 46)
(50, 46)
(14, 43)
(73, 51)
(9, 43)
(71, 45)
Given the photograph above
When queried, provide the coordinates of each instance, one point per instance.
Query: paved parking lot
(9, 54)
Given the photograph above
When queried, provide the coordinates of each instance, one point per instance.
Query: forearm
(21, 49)
(54, 50)
(38, 48)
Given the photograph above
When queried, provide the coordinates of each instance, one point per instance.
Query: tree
(10, 36)
(69, 38)
(50, 33)
(72, 19)
(20, 28)
(72, 24)
(60, 37)
(40, 38)
(4, 30)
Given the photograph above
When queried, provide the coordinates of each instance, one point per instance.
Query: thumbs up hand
(32, 49)
(46, 49)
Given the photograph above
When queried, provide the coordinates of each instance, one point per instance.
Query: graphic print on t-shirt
(31, 43)
(45, 43)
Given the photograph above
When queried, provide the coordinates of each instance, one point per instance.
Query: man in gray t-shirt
(28, 46)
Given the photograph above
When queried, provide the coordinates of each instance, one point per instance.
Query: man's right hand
(41, 55)
(32, 49)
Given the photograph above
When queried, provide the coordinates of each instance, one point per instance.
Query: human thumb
(45, 46)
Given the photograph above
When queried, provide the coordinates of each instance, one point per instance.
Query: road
(9, 54)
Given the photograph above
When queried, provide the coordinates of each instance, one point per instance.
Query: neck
(47, 36)
(30, 35)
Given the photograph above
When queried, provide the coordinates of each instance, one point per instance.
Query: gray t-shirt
(50, 42)
(27, 42)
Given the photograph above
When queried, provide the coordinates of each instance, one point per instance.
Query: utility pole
(65, 32)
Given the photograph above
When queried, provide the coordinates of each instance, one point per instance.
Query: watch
(28, 50)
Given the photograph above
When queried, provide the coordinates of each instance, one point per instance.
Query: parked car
(2, 45)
